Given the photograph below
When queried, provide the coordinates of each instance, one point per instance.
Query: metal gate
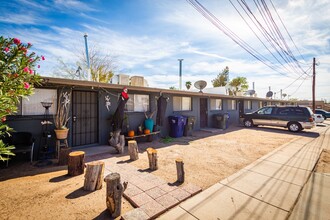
(84, 118)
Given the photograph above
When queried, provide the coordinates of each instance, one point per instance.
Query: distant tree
(238, 84)
(222, 78)
(173, 87)
(102, 67)
(188, 85)
(284, 95)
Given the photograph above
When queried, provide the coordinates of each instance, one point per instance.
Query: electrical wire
(218, 24)
(287, 30)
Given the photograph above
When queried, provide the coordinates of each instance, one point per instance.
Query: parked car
(295, 118)
(318, 118)
(323, 112)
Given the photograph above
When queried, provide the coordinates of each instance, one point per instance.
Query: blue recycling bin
(177, 124)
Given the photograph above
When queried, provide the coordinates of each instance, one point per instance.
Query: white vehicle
(318, 118)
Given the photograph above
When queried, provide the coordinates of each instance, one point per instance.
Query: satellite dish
(200, 84)
(269, 94)
(251, 92)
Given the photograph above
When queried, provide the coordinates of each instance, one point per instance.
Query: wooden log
(152, 156)
(117, 141)
(133, 150)
(114, 193)
(94, 176)
(121, 145)
(180, 170)
(76, 163)
(64, 155)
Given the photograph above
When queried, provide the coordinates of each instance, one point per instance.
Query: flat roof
(85, 83)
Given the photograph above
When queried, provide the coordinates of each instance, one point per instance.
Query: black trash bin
(189, 126)
(177, 123)
(219, 121)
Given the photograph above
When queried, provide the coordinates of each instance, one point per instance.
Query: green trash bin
(189, 127)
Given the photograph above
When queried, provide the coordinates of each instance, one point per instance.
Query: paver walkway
(150, 195)
(269, 188)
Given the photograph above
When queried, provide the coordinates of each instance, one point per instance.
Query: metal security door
(203, 112)
(84, 118)
(241, 108)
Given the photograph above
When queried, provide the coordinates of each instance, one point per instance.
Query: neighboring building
(93, 104)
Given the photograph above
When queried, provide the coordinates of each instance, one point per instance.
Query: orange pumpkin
(146, 131)
(131, 133)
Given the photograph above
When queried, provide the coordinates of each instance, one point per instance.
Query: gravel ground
(30, 192)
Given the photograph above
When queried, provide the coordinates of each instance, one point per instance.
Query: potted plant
(149, 123)
(62, 115)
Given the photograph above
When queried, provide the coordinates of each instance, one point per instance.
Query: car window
(299, 111)
(283, 111)
(265, 111)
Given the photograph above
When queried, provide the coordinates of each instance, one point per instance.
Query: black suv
(295, 118)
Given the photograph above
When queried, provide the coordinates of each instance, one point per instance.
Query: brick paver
(150, 194)
(167, 201)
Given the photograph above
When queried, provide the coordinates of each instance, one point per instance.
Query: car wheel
(325, 118)
(294, 127)
(248, 123)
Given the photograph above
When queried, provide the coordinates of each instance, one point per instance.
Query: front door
(84, 118)
(203, 112)
(241, 108)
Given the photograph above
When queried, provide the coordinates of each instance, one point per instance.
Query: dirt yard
(30, 192)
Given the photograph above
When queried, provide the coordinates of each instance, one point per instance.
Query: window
(265, 111)
(32, 105)
(231, 104)
(248, 104)
(216, 104)
(181, 103)
(137, 103)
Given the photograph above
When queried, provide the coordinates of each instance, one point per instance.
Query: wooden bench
(149, 136)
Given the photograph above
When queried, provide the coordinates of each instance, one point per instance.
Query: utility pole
(313, 87)
(180, 73)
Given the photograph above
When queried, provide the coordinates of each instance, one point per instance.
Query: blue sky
(147, 37)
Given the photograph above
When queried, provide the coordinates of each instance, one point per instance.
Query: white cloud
(19, 19)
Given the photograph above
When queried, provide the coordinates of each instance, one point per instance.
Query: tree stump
(179, 170)
(94, 176)
(133, 150)
(76, 163)
(114, 193)
(152, 156)
(117, 141)
(64, 155)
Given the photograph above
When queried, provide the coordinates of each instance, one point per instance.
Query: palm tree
(188, 85)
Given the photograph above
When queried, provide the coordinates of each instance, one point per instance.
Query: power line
(215, 21)
(287, 30)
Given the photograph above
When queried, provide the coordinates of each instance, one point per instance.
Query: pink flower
(30, 60)
(26, 85)
(42, 57)
(31, 71)
(26, 69)
(29, 44)
(6, 49)
(38, 66)
(17, 41)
